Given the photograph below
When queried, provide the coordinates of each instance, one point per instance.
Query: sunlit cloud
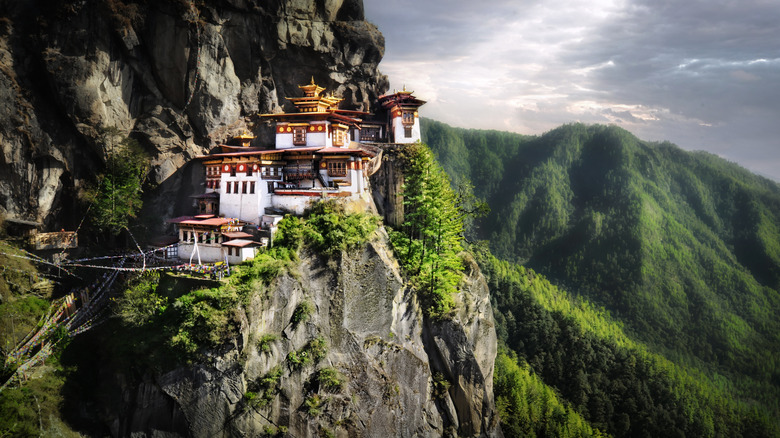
(700, 73)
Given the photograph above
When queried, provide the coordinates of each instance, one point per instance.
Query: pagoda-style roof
(316, 106)
(242, 153)
(311, 90)
(400, 98)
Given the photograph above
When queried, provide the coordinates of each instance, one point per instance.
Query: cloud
(702, 74)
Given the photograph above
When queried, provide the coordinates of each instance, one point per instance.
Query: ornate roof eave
(312, 88)
(392, 100)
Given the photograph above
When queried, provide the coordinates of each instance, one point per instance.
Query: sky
(703, 74)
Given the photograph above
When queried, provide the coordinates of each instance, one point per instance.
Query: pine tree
(433, 232)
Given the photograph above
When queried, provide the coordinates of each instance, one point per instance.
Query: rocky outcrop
(178, 76)
(402, 375)
(387, 184)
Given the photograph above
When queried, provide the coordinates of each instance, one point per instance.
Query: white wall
(398, 131)
(245, 206)
(293, 204)
(209, 253)
(284, 140)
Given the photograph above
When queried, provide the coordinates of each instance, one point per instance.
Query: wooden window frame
(337, 168)
(339, 137)
(299, 135)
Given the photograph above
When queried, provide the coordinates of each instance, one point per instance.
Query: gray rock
(178, 78)
(377, 339)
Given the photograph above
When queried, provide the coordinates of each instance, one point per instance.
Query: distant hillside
(682, 248)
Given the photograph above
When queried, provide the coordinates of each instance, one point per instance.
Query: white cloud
(700, 73)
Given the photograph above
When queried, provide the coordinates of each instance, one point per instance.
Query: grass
(302, 313)
(263, 390)
(313, 352)
(264, 344)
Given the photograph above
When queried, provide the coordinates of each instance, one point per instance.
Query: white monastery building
(320, 152)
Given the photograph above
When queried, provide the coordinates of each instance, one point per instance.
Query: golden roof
(311, 90)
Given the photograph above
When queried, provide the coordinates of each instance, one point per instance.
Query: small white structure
(202, 238)
(240, 250)
(404, 121)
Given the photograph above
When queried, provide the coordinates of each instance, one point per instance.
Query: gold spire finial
(312, 79)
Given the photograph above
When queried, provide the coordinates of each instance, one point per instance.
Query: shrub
(264, 344)
(330, 379)
(263, 390)
(313, 404)
(301, 313)
(313, 352)
(327, 228)
(441, 386)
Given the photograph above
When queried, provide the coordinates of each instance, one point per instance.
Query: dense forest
(679, 250)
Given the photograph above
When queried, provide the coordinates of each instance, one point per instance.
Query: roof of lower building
(240, 243)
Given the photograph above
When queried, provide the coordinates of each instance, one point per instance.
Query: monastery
(320, 152)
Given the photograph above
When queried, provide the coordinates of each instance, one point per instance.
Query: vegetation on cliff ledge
(165, 318)
(429, 241)
(115, 198)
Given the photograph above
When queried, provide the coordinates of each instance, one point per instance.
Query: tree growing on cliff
(115, 198)
(430, 238)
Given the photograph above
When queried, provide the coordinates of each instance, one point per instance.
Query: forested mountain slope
(682, 248)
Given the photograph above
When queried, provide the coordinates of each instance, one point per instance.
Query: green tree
(432, 231)
(116, 196)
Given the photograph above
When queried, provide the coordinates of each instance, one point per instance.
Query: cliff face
(178, 76)
(402, 375)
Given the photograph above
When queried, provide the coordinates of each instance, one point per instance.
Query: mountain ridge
(682, 248)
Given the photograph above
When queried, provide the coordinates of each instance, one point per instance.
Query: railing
(299, 175)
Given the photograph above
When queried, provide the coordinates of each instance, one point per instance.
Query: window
(252, 187)
(408, 118)
(299, 136)
(235, 186)
(337, 168)
(408, 131)
(249, 170)
(232, 170)
(243, 187)
(338, 137)
(227, 187)
(369, 134)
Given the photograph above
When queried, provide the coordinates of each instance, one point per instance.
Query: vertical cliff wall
(402, 375)
(387, 185)
(179, 76)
